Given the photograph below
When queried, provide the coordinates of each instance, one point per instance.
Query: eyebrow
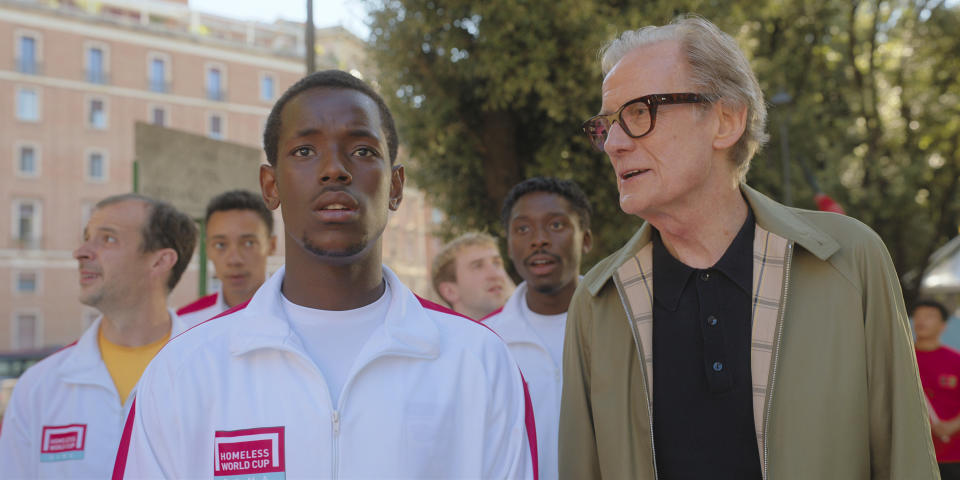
(353, 132)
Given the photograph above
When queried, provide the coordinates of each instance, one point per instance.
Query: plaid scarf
(634, 281)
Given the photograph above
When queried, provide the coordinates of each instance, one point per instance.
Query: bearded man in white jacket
(547, 221)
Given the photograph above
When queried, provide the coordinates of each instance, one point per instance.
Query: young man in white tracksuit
(239, 239)
(548, 230)
(334, 369)
(66, 414)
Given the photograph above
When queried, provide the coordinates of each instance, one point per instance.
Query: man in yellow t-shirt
(66, 414)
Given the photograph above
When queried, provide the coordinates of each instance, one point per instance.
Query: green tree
(489, 93)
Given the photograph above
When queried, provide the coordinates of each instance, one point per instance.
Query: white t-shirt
(549, 328)
(333, 339)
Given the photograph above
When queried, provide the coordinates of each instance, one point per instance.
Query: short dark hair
(927, 302)
(240, 200)
(327, 79)
(165, 227)
(567, 189)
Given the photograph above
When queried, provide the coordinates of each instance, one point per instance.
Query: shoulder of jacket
(43, 373)
(199, 304)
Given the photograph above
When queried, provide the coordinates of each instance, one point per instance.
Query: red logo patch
(254, 451)
(63, 442)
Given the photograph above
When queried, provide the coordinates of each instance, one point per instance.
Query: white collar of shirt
(84, 363)
(511, 323)
(407, 329)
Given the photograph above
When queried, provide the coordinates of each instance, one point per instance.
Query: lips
(235, 278)
(336, 206)
(542, 263)
(88, 276)
(633, 173)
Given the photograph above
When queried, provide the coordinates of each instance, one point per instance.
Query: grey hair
(718, 67)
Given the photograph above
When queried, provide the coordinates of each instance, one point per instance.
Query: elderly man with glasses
(776, 338)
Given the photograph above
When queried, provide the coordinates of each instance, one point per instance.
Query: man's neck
(137, 325)
(232, 299)
(314, 282)
(699, 233)
(552, 303)
(927, 344)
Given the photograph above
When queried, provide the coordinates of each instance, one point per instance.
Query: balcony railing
(159, 86)
(98, 77)
(28, 66)
(217, 94)
(24, 242)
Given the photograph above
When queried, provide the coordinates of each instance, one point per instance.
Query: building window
(158, 116)
(158, 72)
(215, 84)
(26, 282)
(266, 87)
(28, 104)
(26, 223)
(26, 330)
(27, 60)
(215, 129)
(96, 167)
(97, 114)
(28, 161)
(96, 72)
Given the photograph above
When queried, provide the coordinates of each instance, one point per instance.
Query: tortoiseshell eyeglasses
(638, 116)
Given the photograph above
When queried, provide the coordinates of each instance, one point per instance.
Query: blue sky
(349, 14)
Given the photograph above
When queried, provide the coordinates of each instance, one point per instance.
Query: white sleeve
(143, 453)
(17, 452)
(507, 452)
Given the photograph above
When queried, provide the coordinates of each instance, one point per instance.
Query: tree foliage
(489, 93)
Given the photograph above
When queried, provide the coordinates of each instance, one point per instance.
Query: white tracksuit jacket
(65, 418)
(431, 395)
(544, 376)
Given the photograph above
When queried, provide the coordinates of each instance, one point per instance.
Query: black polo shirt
(702, 392)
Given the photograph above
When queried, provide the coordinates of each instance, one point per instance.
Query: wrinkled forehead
(659, 67)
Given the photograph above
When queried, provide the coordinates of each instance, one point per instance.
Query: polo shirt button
(717, 366)
(705, 276)
(712, 321)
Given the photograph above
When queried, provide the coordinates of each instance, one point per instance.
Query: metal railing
(97, 76)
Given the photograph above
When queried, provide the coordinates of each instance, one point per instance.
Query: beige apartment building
(74, 78)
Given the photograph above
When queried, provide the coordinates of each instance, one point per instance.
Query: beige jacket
(836, 389)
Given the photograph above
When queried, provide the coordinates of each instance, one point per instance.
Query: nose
(333, 168)
(617, 140)
(539, 238)
(233, 256)
(83, 252)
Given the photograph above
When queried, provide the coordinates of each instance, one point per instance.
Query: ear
(273, 245)
(587, 240)
(732, 124)
(268, 186)
(449, 292)
(162, 262)
(397, 178)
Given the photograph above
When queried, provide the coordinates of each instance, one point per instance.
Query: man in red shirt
(940, 375)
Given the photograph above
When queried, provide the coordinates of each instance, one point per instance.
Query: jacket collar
(511, 323)
(770, 215)
(407, 330)
(84, 363)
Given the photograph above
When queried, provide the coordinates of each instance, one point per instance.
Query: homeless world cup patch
(248, 454)
(64, 442)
